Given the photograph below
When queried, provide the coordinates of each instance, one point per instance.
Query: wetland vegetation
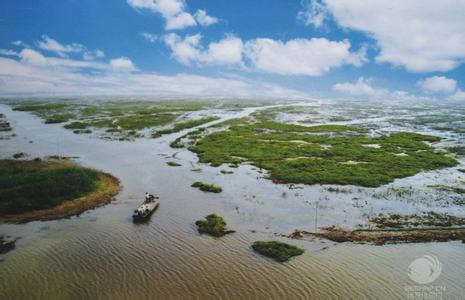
(40, 190)
(278, 251)
(122, 120)
(213, 225)
(325, 154)
(207, 187)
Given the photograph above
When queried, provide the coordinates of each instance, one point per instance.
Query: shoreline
(380, 237)
(109, 186)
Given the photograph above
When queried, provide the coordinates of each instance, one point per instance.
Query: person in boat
(149, 197)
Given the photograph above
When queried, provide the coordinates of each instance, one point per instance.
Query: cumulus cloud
(204, 19)
(122, 64)
(174, 12)
(314, 13)
(438, 84)
(187, 50)
(421, 36)
(362, 87)
(149, 37)
(311, 57)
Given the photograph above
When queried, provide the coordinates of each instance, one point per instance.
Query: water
(101, 254)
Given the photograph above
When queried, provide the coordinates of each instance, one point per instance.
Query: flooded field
(102, 254)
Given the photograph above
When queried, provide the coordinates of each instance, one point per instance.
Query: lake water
(101, 254)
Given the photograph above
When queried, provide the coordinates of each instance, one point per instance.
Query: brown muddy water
(101, 254)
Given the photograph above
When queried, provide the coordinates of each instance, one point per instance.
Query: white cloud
(187, 50)
(150, 37)
(20, 78)
(204, 19)
(35, 58)
(122, 64)
(92, 55)
(312, 57)
(438, 84)
(459, 95)
(173, 11)
(314, 13)
(180, 21)
(421, 36)
(52, 45)
(362, 88)
(8, 52)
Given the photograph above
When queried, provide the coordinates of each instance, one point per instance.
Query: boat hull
(145, 211)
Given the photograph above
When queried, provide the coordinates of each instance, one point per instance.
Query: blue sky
(221, 48)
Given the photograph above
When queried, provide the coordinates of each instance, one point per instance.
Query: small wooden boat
(146, 209)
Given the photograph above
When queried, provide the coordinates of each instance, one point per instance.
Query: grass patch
(336, 155)
(19, 155)
(47, 190)
(173, 164)
(32, 185)
(60, 118)
(77, 125)
(213, 225)
(279, 251)
(226, 172)
(206, 187)
(184, 125)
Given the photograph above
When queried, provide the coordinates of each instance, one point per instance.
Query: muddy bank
(108, 187)
(387, 236)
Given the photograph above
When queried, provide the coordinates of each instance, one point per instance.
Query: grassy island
(324, 154)
(213, 225)
(45, 190)
(207, 187)
(279, 251)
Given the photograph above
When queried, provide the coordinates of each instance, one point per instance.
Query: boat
(146, 209)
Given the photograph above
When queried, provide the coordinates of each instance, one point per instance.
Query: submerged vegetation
(279, 251)
(409, 221)
(325, 154)
(116, 119)
(213, 225)
(207, 187)
(28, 187)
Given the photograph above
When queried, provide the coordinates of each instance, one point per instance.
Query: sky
(286, 49)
